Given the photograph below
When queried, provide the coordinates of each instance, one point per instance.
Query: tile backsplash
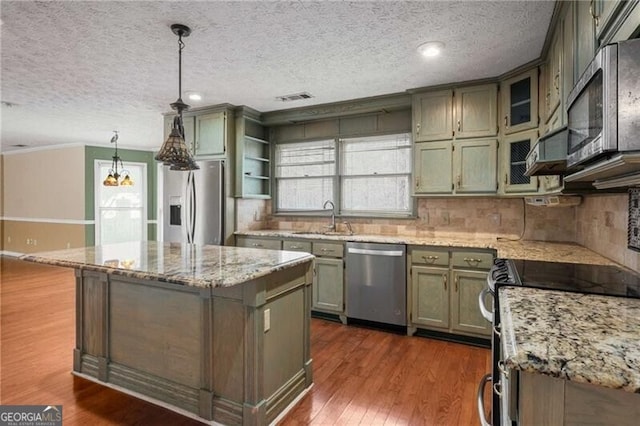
(598, 223)
(437, 217)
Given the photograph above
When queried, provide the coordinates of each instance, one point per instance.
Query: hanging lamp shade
(126, 181)
(174, 151)
(110, 180)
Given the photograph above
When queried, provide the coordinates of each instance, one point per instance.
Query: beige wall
(602, 227)
(251, 214)
(45, 184)
(451, 217)
(41, 191)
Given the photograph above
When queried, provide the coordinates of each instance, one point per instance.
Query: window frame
(337, 181)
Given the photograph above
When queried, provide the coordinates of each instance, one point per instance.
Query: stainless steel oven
(603, 105)
(596, 279)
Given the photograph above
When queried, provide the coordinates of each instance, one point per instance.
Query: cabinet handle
(556, 82)
(324, 250)
(592, 11)
(458, 125)
(505, 179)
(444, 280)
(548, 97)
(506, 121)
(257, 245)
(458, 180)
(456, 280)
(417, 181)
(472, 260)
(418, 128)
(428, 258)
(294, 247)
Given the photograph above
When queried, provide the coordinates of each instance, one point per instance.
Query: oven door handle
(486, 314)
(481, 386)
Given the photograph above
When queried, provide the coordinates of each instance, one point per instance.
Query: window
(371, 176)
(121, 212)
(305, 175)
(375, 174)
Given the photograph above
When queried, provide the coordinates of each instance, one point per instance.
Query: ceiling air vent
(295, 97)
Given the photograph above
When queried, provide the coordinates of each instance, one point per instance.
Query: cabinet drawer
(328, 249)
(430, 257)
(293, 245)
(259, 243)
(474, 260)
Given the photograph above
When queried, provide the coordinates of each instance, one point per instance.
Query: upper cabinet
(584, 36)
(205, 132)
(211, 134)
(466, 112)
(520, 102)
(553, 74)
(514, 150)
(433, 116)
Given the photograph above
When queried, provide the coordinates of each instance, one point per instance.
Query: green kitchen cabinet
(584, 40)
(553, 73)
(476, 111)
(465, 112)
(443, 290)
(465, 312)
(460, 167)
(514, 151)
(433, 116)
(258, 242)
(430, 297)
(253, 156)
(475, 166)
(520, 102)
(211, 134)
(328, 285)
(433, 166)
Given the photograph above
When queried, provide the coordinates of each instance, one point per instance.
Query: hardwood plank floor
(361, 376)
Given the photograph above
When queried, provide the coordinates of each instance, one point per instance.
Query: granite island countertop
(573, 336)
(187, 264)
(520, 249)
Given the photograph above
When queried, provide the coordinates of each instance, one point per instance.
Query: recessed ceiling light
(193, 96)
(431, 48)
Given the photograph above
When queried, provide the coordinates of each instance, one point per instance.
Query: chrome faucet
(332, 226)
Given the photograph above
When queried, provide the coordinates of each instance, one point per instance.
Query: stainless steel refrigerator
(193, 207)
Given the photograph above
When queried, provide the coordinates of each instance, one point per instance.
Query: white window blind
(305, 175)
(374, 175)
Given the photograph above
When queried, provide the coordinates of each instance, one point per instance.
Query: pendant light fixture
(113, 178)
(174, 151)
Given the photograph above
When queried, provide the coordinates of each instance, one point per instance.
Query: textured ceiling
(75, 70)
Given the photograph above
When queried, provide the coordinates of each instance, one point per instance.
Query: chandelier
(113, 178)
(174, 151)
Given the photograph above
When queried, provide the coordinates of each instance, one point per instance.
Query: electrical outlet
(425, 218)
(444, 216)
(8, 239)
(267, 320)
(495, 219)
(68, 245)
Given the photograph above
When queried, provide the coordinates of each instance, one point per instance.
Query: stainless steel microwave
(604, 105)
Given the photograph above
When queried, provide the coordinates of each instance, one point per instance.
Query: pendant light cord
(180, 47)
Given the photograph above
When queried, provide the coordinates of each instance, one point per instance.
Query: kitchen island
(574, 358)
(220, 334)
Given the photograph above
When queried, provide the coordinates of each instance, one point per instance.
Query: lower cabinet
(444, 290)
(328, 285)
(258, 242)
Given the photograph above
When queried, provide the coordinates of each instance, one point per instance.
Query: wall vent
(294, 97)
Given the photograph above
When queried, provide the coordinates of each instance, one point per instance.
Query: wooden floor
(361, 376)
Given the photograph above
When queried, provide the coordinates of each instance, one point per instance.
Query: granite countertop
(573, 336)
(187, 264)
(520, 249)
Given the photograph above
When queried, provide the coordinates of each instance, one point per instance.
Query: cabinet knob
(418, 128)
(417, 181)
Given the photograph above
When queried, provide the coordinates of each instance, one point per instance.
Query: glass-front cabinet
(514, 153)
(520, 102)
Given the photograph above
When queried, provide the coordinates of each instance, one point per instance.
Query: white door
(120, 211)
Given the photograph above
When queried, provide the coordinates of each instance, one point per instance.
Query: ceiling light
(194, 96)
(174, 151)
(431, 48)
(113, 175)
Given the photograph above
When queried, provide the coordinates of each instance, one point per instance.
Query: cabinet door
(514, 153)
(433, 167)
(430, 297)
(260, 243)
(328, 285)
(520, 102)
(584, 37)
(211, 133)
(604, 12)
(476, 111)
(554, 73)
(465, 312)
(475, 165)
(433, 116)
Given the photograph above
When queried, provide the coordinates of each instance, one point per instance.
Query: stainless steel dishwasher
(376, 281)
